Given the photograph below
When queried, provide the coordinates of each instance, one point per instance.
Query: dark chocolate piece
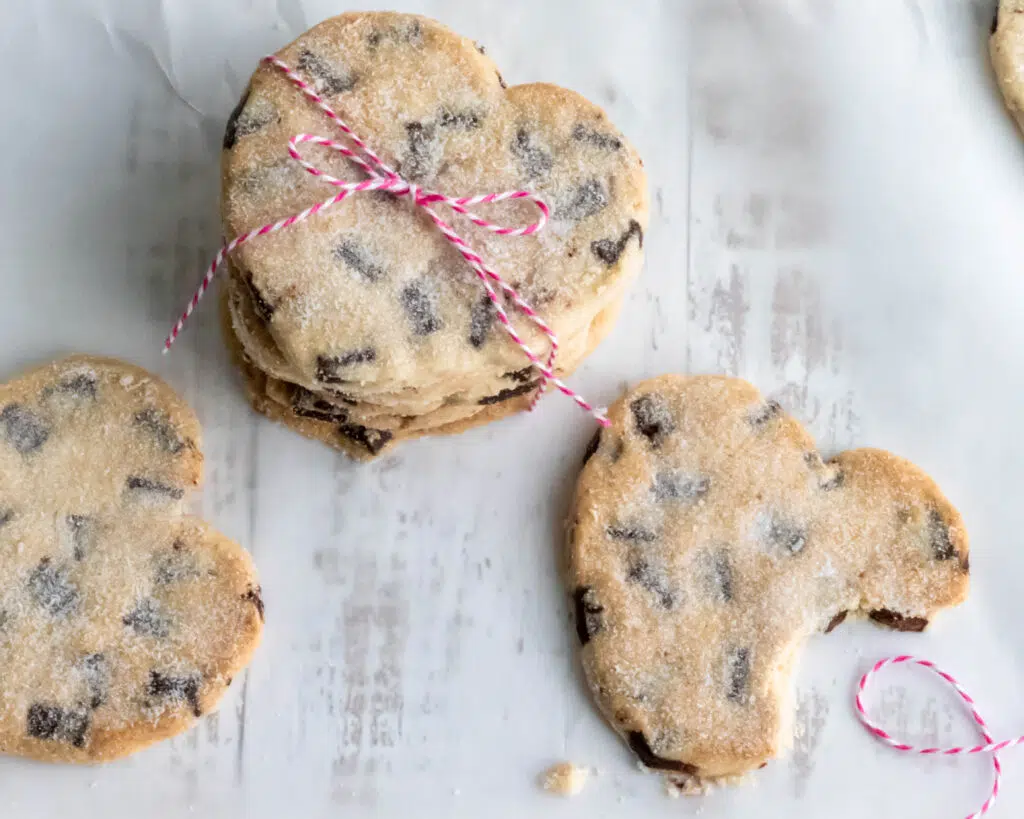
(409, 32)
(836, 621)
(592, 446)
(328, 366)
(6, 515)
(148, 619)
(609, 250)
(638, 742)
(654, 580)
(768, 411)
(82, 532)
(898, 622)
(175, 566)
(738, 662)
(51, 589)
(721, 576)
(607, 142)
(156, 423)
(939, 536)
(588, 614)
(244, 121)
(536, 161)
(326, 78)
(136, 483)
(481, 317)
(786, 535)
(587, 199)
(652, 418)
(521, 376)
(510, 392)
(264, 309)
(95, 668)
(170, 687)
(255, 596)
(419, 302)
(423, 151)
(467, 120)
(834, 482)
(80, 385)
(23, 429)
(631, 531)
(51, 722)
(356, 257)
(231, 129)
(373, 440)
(674, 486)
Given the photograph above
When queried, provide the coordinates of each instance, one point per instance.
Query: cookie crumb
(564, 779)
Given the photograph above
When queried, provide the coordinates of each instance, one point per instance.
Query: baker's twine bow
(382, 177)
(991, 747)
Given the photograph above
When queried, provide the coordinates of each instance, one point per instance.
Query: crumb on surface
(564, 779)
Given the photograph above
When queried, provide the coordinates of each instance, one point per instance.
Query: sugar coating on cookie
(708, 539)
(369, 291)
(1007, 51)
(121, 619)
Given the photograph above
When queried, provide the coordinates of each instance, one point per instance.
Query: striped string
(991, 746)
(382, 177)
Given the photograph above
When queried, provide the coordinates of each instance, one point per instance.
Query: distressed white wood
(837, 209)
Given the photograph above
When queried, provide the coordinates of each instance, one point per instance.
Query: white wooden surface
(838, 210)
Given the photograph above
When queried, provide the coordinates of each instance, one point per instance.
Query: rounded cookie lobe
(1006, 48)
(710, 539)
(121, 619)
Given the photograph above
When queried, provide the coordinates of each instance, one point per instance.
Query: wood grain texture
(816, 211)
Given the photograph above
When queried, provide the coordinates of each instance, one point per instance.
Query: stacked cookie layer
(364, 325)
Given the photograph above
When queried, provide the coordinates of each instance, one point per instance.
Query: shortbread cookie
(708, 540)
(1007, 50)
(370, 292)
(122, 620)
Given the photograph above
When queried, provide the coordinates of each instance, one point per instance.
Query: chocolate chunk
(481, 317)
(308, 405)
(423, 151)
(675, 486)
(171, 687)
(738, 675)
(358, 258)
(897, 621)
(522, 376)
(136, 483)
(409, 32)
(786, 535)
(175, 566)
(652, 418)
(247, 119)
(420, 303)
(23, 429)
(638, 742)
(231, 130)
(157, 424)
(51, 722)
(510, 392)
(836, 621)
(765, 413)
(592, 447)
(588, 614)
(834, 482)
(536, 161)
(6, 515)
(80, 385)
(327, 79)
(609, 250)
(587, 199)
(148, 619)
(51, 589)
(631, 531)
(95, 669)
(501, 80)
(464, 120)
(373, 440)
(81, 530)
(328, 366)
(264, 309)
(654, 580)
(255, 596)
(607, 142)
(939, 536)
(994, 27)
(721, 576)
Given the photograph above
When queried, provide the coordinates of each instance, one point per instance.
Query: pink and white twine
(382, 177)
(990, 747)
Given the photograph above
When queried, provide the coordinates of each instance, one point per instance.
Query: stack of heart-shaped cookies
(364, 325)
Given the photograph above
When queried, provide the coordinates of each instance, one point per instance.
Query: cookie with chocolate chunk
(368, 298)
(708, 539)
(1007, 51)
(122, 619)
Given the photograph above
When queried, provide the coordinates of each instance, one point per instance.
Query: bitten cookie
(708, 540)
(1007, 50)
(122, 619)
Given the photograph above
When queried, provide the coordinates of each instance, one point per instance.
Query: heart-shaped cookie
(122, 619)
(708, 540)
(370, 292)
